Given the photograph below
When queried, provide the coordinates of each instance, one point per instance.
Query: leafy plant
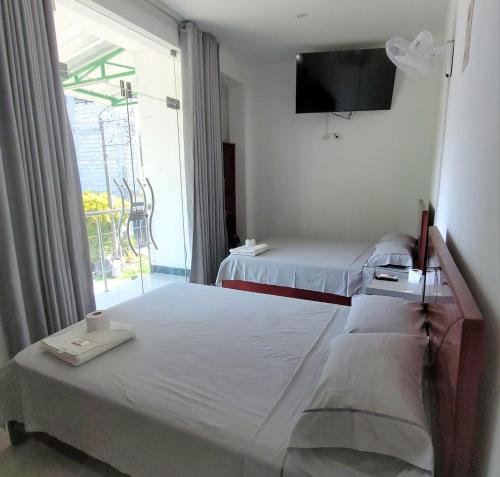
(98, 201)
(95, 202)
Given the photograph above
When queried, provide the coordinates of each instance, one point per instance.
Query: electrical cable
(180, 175)
(347, 118)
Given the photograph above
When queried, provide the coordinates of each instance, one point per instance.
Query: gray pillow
(369, 399)
(399, 238)
(397, 254)
(385, 314)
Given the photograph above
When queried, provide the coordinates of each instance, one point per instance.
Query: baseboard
(170, 270)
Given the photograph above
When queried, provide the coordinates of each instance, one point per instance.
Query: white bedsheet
(310, 264)
(210, 387)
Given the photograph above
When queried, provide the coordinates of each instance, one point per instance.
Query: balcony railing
(112, 252)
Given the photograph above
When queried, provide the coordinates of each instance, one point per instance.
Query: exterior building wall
(84, 119)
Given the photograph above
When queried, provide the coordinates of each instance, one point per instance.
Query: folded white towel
(77, 346)
(251, 251)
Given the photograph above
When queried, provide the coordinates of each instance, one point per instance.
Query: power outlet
(333, 137)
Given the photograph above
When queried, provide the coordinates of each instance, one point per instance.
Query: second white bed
(325, 266)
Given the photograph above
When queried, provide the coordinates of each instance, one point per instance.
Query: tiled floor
(123, 290)
(34, 459)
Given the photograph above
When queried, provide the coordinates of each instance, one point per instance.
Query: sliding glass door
(124, 107)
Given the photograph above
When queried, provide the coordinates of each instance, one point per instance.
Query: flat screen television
(350, 80)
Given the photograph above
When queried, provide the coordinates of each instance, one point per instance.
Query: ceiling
(75, 45)
(82, 47)
(269, 30)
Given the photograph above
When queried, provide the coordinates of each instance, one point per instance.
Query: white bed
(324, 266)
(211, 386)
(330, 271)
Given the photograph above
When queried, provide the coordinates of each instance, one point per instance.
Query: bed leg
(17, 433)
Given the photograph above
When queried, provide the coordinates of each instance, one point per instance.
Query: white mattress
(309, 264)
(211, 386)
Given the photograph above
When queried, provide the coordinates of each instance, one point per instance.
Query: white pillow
(385, 314)
(369, 399)
(391, 253)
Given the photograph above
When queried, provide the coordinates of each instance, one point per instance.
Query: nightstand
(399, 289)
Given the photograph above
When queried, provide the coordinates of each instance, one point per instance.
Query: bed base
(288, 292)
(425, 223)
(17, 433)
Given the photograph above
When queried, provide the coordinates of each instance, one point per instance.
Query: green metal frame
(113, 101)
(79, 80)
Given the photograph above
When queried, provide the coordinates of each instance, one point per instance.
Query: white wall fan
(415, 57)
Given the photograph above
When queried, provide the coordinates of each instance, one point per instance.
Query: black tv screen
(351, 80)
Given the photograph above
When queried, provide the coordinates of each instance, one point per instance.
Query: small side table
(399, 289)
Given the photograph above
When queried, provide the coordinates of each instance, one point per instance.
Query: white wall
(224, 106)
(235, 73)
(367, 184)
(233, 66)
(238, 134)
(468, 208)
(233, 130)
(443, 104)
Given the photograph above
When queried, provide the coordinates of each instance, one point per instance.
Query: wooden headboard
(456, 332)
(424, 228)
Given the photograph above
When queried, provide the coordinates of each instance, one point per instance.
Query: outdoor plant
(98, 201)
(94, 202)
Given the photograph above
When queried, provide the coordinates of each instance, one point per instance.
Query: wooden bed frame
(331, 297)
(288, 292)
(456, 331)
(425, 222)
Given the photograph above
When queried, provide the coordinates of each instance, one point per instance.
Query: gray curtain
(204, 163)
(45, 279)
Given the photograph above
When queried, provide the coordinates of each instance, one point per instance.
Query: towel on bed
(77, 346)
(251, 251)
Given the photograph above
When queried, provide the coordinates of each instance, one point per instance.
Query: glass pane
(129, 155)
(162, 158)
